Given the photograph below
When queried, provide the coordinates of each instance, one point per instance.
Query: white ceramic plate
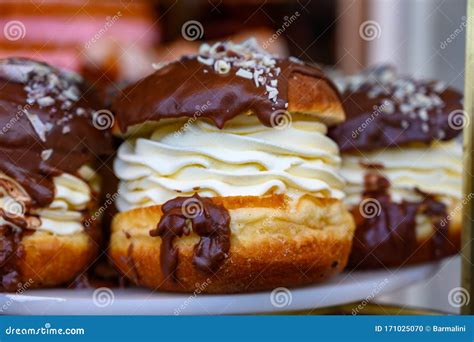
(344, 288)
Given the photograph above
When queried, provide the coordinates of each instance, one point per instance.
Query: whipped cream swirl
(65, 214)
(244, 158)
(435, 169)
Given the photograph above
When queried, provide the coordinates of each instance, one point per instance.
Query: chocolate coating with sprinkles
(37, 104)
(234, 78)
(384, 109)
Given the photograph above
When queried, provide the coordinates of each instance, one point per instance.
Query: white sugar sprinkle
(46, 154)
(244, 73)
(423, 114)
(222, 67)
(248, 58)
(45, 101)
(38, 125)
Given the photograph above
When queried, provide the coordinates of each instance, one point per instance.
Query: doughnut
(402, 162)
(228, 180)
(49, 187)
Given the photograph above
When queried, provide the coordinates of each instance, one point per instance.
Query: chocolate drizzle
(219, 85)
(384, 109)
(46, 128)
(183, 215)
(389, 238)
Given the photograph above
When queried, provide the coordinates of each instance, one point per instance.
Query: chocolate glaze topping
(46, 126)
(389, 238)
(183, 215)
(223, 81)
(384, 109)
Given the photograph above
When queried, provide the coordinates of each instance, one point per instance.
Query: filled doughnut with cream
(48, 184)
(402, 161)
(227, 175)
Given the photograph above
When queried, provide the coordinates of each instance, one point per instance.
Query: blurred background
(114, 42)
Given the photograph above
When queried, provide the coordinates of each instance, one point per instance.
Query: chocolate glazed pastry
(209, 221)
(260, 91)
(384, 110)
(389, 239)
(401, 155)
(48, 144)
(239, 136)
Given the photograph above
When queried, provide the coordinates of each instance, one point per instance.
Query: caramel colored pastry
(227, 176)
(402, 161)
(89, 37)
(48, 184)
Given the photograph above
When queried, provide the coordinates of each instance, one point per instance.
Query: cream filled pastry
(227, 175)
(403, 167)
(48, 184)
(244, 158)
